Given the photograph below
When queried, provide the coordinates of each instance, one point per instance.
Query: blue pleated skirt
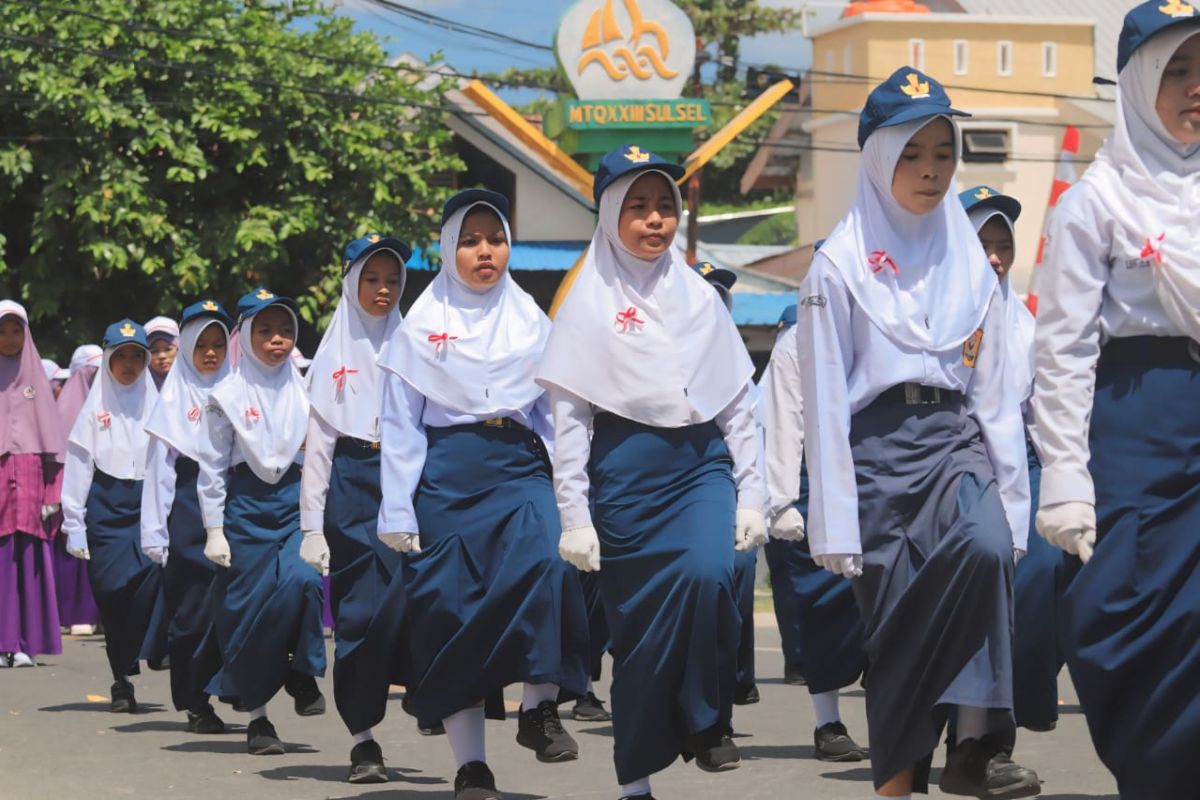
(744, 566)
(599, 639)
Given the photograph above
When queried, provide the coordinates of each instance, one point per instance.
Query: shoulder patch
(971, 348)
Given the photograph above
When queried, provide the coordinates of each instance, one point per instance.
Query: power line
(458, 27)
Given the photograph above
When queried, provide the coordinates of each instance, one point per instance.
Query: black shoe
(123, 701)
(745, 695)
(792, 675)
(160, 665)
(981, 768)
(715, 750)
(433, 730)
(833, 743)
(541, 731)
(204, 720)
(475, 781)
(1041, 727)
(309, 701)
(366, 763)
(590, 709)
(261, 739)
(638, 797)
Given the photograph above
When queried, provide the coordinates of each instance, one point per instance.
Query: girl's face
(1178, 103)
(12, 336)
(379, 284)
(649, 217)
(483, 250)
(926, 168)
(273, 335)
(210, 350)
(162, 356)
(126, 363)
(997, 242)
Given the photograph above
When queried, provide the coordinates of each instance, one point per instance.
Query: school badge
(29, 392)
(1176, 8)
(916, 89)
(971, 348)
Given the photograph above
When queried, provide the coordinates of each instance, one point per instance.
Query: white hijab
(649, 341)
(268, 408)
(1019, 323)
(111, 425)
(178, 416)
(1148, 181)
(471, 351)
(922, 279)
(345, 385)
(86, 355)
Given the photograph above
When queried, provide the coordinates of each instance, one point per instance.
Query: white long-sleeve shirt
(572, 425)
(318, 467)
(406, 415)
(220, 453)
(77, 482)
(1094, 285)
(845, 362)
(158, 493)
(784, 417)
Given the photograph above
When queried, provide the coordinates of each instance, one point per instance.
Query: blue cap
(1147, 19)
(206, 308)
(909, 94)
(987, 197)
(787, 317)
(713, 274)
(629, 158)
(124, 331)
(469, 197)
(364, 246)
(256, 300)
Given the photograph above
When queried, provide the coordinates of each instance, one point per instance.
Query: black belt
(915, 394)
(356, 443)
(1156, 350)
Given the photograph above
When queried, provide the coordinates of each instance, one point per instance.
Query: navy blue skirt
(127, 585)
(268, 602)
(599, 639)
(1131, 616)
(490, 602)
(665, 507)
(361, 568)
(744, 566)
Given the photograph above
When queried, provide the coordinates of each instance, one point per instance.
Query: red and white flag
(1064, 178)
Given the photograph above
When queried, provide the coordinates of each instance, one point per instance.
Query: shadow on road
(337, 774)
(410, 794)
(143, 708)
(603, 730)
(857, 774)
(753, 752)
(226, 746)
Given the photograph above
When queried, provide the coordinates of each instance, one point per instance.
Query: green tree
(152, 151)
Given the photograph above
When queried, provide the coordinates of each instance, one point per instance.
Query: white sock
(971, 723)
(590, 687)
(825, 705)
(363, 736)
(640, 786)
(258, 713)
(537, 693)
(465, 731)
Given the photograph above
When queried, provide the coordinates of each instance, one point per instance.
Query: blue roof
(536, 256)
(753, 308)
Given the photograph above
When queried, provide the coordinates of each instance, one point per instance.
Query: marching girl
(163, 335)
(172, 531)
(268, 601)
(645, 355)
(31, 444)
(468, 495)
(1115, 398)
(339, 488)
(102, 501)
(916, 456)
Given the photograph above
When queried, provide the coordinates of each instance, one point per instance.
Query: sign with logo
(600, 114)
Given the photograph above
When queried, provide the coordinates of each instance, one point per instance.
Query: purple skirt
(28, 612)
(76, 606)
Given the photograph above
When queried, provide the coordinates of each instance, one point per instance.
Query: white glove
(77, 547)
(1069, 526)
(314, 551)
(580, 547)
(402, 542)
(49, 510)
(844, 564)
(156, 554)
(788, 525)
(750, 530)
(216, 548)
(1018, 554)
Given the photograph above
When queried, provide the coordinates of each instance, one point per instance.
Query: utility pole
(693, 184)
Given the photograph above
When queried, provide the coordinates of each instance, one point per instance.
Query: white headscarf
(178, 416)
(267, 406)
(345, 385)
(86, 355)
(111, 426)
(1147, 181)
(1019, 323)
(922, 279)
(471, 351)
(649, 341)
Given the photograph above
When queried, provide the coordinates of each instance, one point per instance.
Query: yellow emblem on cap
(373, 238)
(263, 294)
(128, 330)
(209, 305)
(916, 88)
(706, 268)
(636, 155)
(1177, 8)
(983, 194)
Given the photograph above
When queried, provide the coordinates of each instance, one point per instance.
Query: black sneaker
(204, 720)
(715, 751)
(123, 700)
(745, 695)
(475, 781)
(308, 699)
(833, 743)
(792, 675)
(1041, 727)
(434, 730)
(638, 797)
(590, 709)
(261, 739)
(160, 665)
(366, 763)
(541, 731)
(981, 768)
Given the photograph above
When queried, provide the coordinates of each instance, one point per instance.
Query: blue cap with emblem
(469, 197)
(206, 308)
(716, 275)
(987, 197)
(364, 246)
(629, 158)
(787, 318)
(1150, 18)
(909, 94)
(256, 300)
(124, 331)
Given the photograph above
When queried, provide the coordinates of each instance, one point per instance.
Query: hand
(1069, 526)
(750, 530)
(1018, 554)
(77, 547)
(580, 547)
(314, 551)
(847, 565)
(216, 548)
(788, 525)
(402, 542)
(156, 554)
(49, 510)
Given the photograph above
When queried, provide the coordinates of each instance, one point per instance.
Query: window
(1004, 58)
(916, 53)
(1049, 59)
(960, 56)
(985, 146)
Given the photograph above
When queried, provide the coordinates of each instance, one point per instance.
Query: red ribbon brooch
(194, 414)
(253, 415)
(339, 376)
(439, 339)
(105, 419)
(880, 259)
(629, 318)
(1151, 251)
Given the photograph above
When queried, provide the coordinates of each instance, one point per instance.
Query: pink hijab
(29, 419)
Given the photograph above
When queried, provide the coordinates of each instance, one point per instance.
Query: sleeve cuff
(573, 518)
(393, 521)
(312, 520)
(1061, 485)
(753, 500)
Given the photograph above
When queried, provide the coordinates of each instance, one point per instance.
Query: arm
(572, 421)
(314, 478)
(785, 426)
(741, 437)
(542, 417)
(404, 446)
(215, 458)
(77, 482)
(158, 494)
